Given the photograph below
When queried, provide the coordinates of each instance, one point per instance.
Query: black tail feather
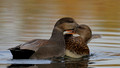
(21, 53)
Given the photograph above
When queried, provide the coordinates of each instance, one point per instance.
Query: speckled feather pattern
(77, 45)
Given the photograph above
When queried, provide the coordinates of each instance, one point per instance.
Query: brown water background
(24, 20)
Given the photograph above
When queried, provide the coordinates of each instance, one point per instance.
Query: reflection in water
(71, 63)
(83, 63)
(57, 65)
(20, 65)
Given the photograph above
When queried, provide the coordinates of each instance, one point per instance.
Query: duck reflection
(66, 63)
(77, 63)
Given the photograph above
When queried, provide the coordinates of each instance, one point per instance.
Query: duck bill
(70, 32)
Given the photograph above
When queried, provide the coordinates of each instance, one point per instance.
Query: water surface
(24, 20)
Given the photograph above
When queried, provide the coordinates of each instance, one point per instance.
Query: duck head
(66, 23)
(84, 31)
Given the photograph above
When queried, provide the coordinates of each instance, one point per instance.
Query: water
(24, 20)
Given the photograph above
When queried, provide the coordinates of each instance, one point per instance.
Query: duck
(42, 48)
(76, 47)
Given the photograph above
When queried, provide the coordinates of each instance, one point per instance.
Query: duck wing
(24, 51)
(31, 45)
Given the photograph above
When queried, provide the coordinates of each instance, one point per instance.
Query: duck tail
(21, 53)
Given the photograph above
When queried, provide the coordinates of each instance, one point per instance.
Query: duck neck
(86, 37)
(57, 36)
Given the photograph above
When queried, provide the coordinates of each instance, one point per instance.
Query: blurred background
(24, 20)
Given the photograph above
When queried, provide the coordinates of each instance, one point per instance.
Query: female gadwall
(76, 47)
(41, 49)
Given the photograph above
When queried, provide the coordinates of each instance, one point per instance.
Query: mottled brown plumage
(76, 47)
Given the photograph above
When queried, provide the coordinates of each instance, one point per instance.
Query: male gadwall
(41, 49)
